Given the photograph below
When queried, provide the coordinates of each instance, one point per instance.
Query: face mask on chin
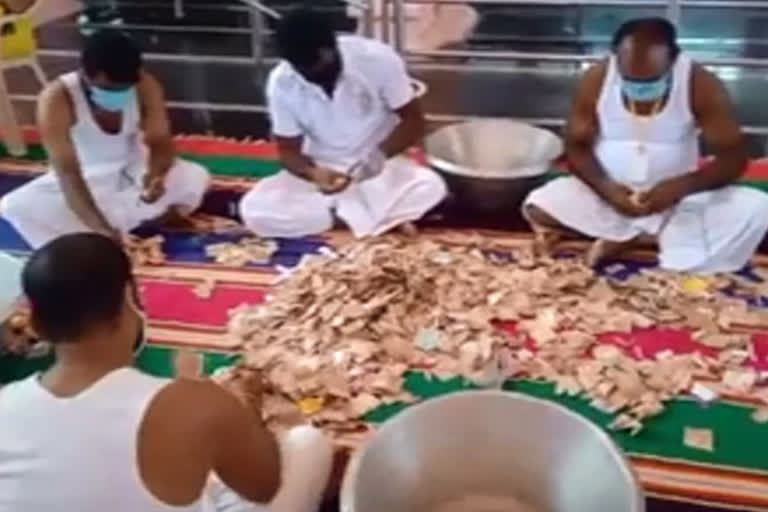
(644, 91)
(112, 100)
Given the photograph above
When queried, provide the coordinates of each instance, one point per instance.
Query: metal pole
(399, 19)
(257, 43)
(385, 21)
(674, 11)
(178, 8)
(368, 20)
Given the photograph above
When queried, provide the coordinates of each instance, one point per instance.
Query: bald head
(646, 48)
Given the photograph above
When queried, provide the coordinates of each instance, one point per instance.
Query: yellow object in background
(17, 38)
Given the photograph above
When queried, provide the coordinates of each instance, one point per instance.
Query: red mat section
(177, 302)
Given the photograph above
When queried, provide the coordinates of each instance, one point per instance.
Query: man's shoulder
(282, 80)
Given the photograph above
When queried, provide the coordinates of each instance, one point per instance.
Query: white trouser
(40, 213)
(287, 206)
(307, 458)
(716, 231)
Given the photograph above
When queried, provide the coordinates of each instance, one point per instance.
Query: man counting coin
(633, 148)
(343, 109)
(108, 138)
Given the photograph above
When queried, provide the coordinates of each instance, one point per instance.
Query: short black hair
(301, 33)
(113, 53)
(654, 29)
(74, 282)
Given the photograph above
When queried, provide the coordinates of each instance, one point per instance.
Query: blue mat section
(188, 247)
(10, 240)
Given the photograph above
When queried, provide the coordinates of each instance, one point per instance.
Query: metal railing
(393, 20)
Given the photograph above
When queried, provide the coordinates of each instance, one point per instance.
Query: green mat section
(736, 435)
(235, 166)
(218, 165)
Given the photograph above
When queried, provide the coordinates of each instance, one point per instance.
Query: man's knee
(190, 179)
(16, 206)
(760, 206)
(431, 190)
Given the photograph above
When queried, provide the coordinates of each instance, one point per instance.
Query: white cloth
(338, 132)
(10, 284)
(341, 130)
(306, 458)
(113, 167)
(37, 461)
(76, 453)
(714, 231)
(287, 206)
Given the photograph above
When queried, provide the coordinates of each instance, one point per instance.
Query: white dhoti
(715, 231)
(287, 206)
(306, 457)
(40, 212)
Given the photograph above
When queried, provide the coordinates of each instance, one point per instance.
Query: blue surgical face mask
(644, 91)
(112, 101)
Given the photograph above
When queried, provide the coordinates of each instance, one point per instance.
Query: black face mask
(325, 72)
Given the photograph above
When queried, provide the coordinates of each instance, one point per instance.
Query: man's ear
(34, 324)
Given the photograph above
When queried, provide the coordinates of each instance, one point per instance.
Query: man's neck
(79, 365)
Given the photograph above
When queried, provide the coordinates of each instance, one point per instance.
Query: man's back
(80, 452)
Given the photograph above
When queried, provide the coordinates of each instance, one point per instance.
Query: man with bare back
(95, 434)
(108, 138)
(633, 147)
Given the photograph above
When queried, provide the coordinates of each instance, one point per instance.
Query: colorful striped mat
(188, 337)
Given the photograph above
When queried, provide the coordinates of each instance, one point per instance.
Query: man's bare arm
(409, 132)
(155, 126)
(17, 6)
(246, 455)
(293, 160)
(721, 131)
(582, 129)
(55, 118)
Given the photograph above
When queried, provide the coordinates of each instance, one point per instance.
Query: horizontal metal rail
(567, 57)
(584, 3)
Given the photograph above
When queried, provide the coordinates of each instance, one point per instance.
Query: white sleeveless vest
(95, 146)
(76, 454)
(641, 152)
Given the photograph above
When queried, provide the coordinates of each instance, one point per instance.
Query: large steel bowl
(491, 165)
(490, 443)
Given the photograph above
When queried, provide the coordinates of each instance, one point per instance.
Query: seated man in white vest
(94, 434)
(632, 143)
(113, 162)
(343, 110)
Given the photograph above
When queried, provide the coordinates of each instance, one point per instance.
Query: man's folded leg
(577, 208)
(39, 212)
(403, 192)
(286, 206)
(185, 187)
(715, 231)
